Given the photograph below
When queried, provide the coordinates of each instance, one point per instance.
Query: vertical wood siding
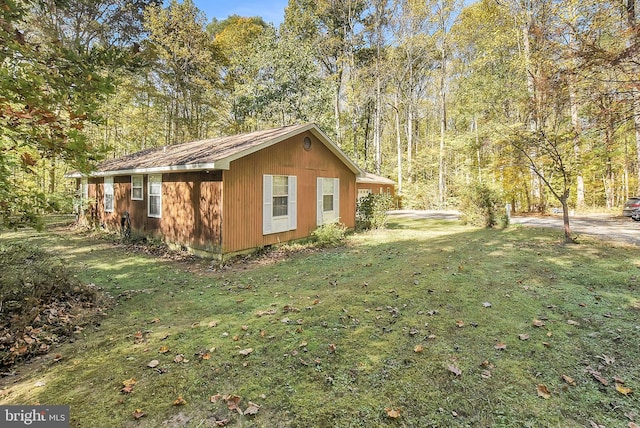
(242, 220)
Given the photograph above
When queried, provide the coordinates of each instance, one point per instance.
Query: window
(84, 191)
(155, 196)
(328, 192)
(136, 188)
(279, 208)
(108, 194)
(280, 195)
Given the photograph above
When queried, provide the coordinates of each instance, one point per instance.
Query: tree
(187, 67)
(51, 83)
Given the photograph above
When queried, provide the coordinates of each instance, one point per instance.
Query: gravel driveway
(604, 226)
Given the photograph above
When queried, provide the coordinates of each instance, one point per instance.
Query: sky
(270, 10)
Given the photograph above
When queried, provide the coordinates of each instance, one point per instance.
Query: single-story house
(367, 183)
(227, 195)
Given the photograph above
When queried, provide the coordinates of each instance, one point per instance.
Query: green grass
(374, 300)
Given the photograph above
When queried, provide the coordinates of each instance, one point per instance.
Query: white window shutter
(267, 203)
(293, 205)
(336, 198)
(319, 207)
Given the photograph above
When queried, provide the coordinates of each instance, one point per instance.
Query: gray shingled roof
(210, 154)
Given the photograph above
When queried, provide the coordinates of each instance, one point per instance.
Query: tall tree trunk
(442, 189)
(398, 143)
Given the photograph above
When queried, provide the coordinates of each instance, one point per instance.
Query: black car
(630, 205)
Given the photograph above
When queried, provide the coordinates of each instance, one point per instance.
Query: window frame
(279, 223)
(324, 215)
(109, 195)
(137, 186)
(154, 179)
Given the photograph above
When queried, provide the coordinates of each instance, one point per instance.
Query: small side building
(367, 183)
(227, 195)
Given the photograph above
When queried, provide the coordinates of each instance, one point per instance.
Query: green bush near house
(330, 234)
(371, 211)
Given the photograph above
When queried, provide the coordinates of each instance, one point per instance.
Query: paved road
(600, 225)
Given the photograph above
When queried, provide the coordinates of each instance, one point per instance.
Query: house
(367, 183)
(227, 195)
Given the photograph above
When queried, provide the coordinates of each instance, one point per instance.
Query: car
(630, 206)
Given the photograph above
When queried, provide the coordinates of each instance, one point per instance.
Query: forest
(538, 100)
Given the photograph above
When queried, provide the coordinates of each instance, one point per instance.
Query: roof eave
(153, 170)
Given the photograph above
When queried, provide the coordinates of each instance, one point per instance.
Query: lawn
(429, 323)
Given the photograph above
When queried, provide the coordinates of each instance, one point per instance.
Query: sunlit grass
(334, 333)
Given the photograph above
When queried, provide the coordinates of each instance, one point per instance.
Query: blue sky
(270, 10)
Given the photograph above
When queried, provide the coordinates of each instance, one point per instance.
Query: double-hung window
(137, 184)
(328, 198)
(155, 196)
(279, 208)
(108, 194)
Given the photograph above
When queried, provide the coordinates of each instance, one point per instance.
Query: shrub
(481, 205)
(330, 234)
(371, 212)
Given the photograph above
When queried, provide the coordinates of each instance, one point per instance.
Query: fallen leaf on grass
(486, 374)
(392, 413)
(500, 346)
(180, 359)
(57, 358)
(418, 349)
(486, 304)
(332, 348)
(454, 369)
(572, 322)
(597, 376)
(205, 356)
(179, 401)
(221, 422)
(252, 409)
(163, 349)
(538, 323)
(138, 413)
(623, 389)
(245, 352)
(127, 386)
(232, 403)
(460, 323)
(213, 323)
(543, 391)
(569, 380)
(523, 336)
(633, 425)
(153, 364)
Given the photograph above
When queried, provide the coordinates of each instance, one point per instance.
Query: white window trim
(154, 179)
(271, 224)
(322, 216)
(84, 190)
(108, 190)
(141, 187)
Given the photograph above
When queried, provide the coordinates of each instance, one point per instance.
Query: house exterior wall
(242, 220)
(191, 208)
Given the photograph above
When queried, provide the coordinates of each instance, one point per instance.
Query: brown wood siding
(191, 208)
(242, 220)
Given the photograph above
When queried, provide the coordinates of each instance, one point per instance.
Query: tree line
(536, 98)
